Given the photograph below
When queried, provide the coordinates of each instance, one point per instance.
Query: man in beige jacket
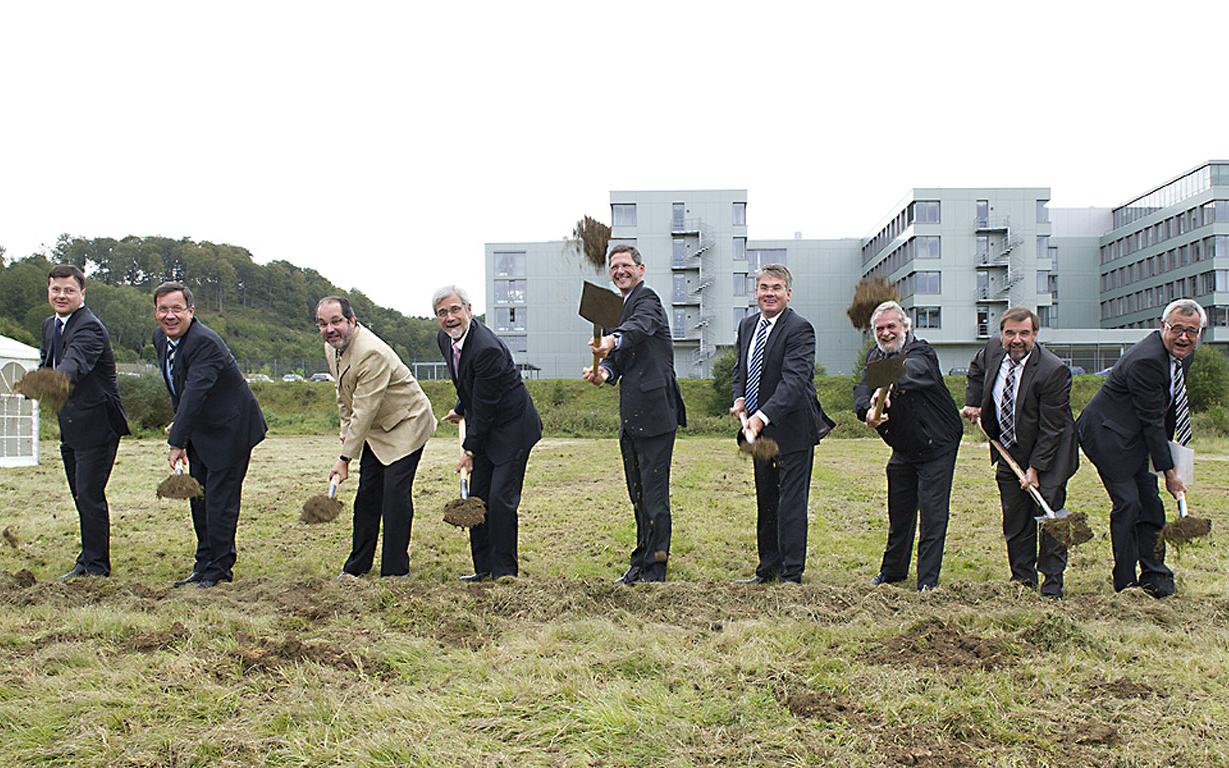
(385, 417)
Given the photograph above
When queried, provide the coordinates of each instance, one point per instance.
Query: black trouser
(1020, 530)
(384, 491)
(1136, 520)
(215, 517)
(88, 470)
(646, 467)
(782, 487)
(913, 487)
(493, 544)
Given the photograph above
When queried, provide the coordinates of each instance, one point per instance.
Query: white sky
(384, 143)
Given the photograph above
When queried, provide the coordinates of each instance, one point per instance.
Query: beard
(455, 333)
(892, 347)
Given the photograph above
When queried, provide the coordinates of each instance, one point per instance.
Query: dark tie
(57, 338)
(170, 363)
(1007, 406)
(1182, 408)
(752, 397)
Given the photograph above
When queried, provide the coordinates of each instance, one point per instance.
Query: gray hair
(777, 270)
(625, 248)
(1186, 307)
(887, 306)
(446, 291)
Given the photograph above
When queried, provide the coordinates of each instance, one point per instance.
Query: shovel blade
(1059, 514)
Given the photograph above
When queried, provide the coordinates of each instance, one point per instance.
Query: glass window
(1047, 317)
(740, 283)
(740, 214)
(680, 252)
(1222, 209)
(510, 291)
(757, 257)
(926, 211)
(1043, 213)
(623, 214)
(983, 248)
(678, 212)
(740, 249)
(510, 318)
(927, 317)
(516, 343)
(680, 287)
(928, 282)
(680, 324)
(926, 247)
(1043, 246)
(509, 263)
(983, 212)
(1043, 281)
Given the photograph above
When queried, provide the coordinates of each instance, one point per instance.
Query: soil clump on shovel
(180, 486)
(465, 513)
(1184, 530)
(1070, 531)
(320, 509)
(46, 385)
(763, 449)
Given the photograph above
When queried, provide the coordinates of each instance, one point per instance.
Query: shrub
(1207, 384)
(147, 403)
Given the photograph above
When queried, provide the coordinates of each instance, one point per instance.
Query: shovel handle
(597, 339)
(1181, 503)
(1032, 489)
(881, 396)
(747, 433)
(332, 486)
(179, 467)
(464, 472)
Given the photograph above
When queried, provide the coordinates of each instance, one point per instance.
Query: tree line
(263, 311)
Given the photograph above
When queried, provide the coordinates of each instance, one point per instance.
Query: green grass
(287, 667)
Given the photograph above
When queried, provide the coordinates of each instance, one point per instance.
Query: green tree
(1207, 384)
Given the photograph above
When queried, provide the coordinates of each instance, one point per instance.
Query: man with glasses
(640, 352)
(1127, 426)
(501, 426)
(217, 423)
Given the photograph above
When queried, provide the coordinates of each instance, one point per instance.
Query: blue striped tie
(752, 396)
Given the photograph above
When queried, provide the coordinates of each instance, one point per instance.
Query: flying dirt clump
(1184, 530)
(763, 449)
(46, 385)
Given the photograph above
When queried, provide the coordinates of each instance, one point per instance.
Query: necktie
(1007, 406)
(170, 363)
(57, 339)
(1182, 408)
(456, 358)
(752, 393)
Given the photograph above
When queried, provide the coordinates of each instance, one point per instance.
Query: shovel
(1185, 528)
(762, 448)
(1032, 489)
(601, 307)
(880, 376)
(467, 511)
(324, 507)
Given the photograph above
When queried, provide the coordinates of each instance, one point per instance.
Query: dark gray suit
(650, 411)
(786, 395)
(1045, 441)
(1128, 422)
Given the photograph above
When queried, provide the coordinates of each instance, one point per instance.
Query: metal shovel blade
(600, 306)
(1059, 514)
(881, 373)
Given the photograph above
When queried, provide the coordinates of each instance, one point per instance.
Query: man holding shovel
(774, 396)
(385, 417)
(1127, 425)
(917, 417)
(501, 426)
(640, 352)
(1021, 392)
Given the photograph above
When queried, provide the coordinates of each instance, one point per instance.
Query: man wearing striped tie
(1129, 422)
(1022, 394)
(774, 389)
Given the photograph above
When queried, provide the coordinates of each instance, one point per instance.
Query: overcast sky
(384, 143)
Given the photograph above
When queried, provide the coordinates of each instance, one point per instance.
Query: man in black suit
(501, 426)
(1022, 394)
(922, 426)
(640, 351)
(1128, 424)
(774, 388)
(92, 419)
(217, 423)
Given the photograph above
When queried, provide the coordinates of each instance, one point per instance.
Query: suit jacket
(786, 392)
(215, 411)
(380, 401)
(93, 413)
(924, 421)
(500, 418)
(1045, 430)
(1130, 418)
(650, 402)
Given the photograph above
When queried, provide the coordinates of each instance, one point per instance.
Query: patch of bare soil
(908, 746)
(157, 640)
(265, 654)
(24, 578)
(10, 537)
(1093, 733)
(819, 706)
(1122, 688)
(934, 643)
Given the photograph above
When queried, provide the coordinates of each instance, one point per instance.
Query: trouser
(646, 467)
(1029, 551)
(88, 470)
(384, 492)
(216, 516)
(915, 487)
(1136, 520)
(782, 487)
(493, 544)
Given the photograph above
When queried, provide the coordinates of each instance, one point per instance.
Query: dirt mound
(1070, 531)
(1093, 733)
(1122, 688)
(10, 537)
(264, 654)
(24, 578)
(46, 385)
(935, 643)
(465, 513)
(158, 639)
(320, 509)
(180, 486)
(819, 706)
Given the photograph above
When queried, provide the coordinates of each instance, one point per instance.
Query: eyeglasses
(455, 309)
(1182, 330)
(164, 311)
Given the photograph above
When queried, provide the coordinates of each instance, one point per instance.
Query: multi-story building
(1098, 278)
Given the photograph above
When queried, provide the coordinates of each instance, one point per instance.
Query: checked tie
(1182, 408)
(755, 367)
(1007, 406)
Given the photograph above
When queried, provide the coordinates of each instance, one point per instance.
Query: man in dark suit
(774, 388)
(92, 419)
(922, 426)
(1022, 394)
(217, 423)
(640, 352)
(1128, 424)
(501, 426)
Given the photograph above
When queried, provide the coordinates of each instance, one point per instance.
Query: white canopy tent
(18, 416)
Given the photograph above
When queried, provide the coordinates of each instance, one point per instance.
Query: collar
(65, 318)
(1023, 360)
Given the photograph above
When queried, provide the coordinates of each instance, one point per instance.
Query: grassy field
(287, 667)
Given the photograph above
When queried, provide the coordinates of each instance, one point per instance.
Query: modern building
(1097, 277)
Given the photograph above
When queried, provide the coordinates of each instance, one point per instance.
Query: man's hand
(341, 469)
(739, 409)
(755, 426)
(971, 412)
(883, 412)
(1030, 478)
(452, 417)
(604, 347)
(176, 455)
(466, 463)
(595, 376)
(1173, 483)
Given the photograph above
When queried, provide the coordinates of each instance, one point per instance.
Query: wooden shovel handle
(1032, 489)
(597, 339)
(881, 396)
(461, 442)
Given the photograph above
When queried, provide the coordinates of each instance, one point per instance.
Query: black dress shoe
(191, 578)
(209, 583)
(878, 579)
(473, 578)
(629, 578)
(757, 579)
(77, 572)
(794, 580)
